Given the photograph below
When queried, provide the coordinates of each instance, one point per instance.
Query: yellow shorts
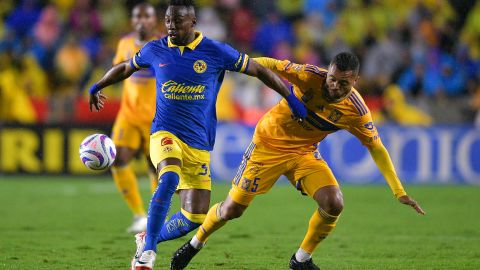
(195, 162)
(262, 166)
(131, 135)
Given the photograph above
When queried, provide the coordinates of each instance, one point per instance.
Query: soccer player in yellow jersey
(131, 131)
(284, 146)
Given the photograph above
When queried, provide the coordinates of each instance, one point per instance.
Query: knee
(231, 210)
(120, 161)
(333, 206)
(331, 201)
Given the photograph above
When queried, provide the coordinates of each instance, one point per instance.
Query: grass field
(73, 223)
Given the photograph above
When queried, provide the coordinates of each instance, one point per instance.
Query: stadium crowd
(419, 58)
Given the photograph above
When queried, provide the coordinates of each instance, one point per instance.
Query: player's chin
(174, 38)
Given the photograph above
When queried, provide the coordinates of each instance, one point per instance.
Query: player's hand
(97, 100)
(409, 201)
(296, 106)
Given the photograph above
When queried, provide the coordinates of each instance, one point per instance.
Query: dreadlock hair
(346, 61)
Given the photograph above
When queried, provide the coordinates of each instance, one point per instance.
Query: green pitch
(74, 223)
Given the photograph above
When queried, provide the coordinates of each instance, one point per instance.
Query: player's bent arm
(272, 80)
(292, 72)
(117, 73)
(381, 157)
(269, 78)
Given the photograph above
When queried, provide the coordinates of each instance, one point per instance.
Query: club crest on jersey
(335, 115)
(166, 141)
(370, 126)
(200, 66)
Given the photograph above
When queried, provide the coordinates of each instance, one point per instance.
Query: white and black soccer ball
(97, 152)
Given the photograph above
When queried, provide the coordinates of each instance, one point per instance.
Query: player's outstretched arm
(381, 157)
(118, 72)
(270, 79)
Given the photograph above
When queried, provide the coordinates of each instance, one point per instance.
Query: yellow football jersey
(138, 97)
(279, 130)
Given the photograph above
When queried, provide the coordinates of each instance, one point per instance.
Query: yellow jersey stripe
(245, 64)
(135, 62)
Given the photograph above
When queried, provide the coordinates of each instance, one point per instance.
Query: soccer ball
(97, 152)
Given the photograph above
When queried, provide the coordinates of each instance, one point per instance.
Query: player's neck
(188, 39)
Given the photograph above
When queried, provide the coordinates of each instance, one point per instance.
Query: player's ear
(194, 21)
(356, 79)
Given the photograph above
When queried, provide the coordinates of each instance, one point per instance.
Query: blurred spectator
(400, 112)
(272, 32)
(71, 62)
(425, 46)
(470, 35)
(210, 24)
(15, 105)
(46, 34)
(327, 9)
(23, 18)
(384, 58)
(291, 9)
(115, 20)
(242, 27)
(85, 24)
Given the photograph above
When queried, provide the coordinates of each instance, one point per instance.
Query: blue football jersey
(188, 79)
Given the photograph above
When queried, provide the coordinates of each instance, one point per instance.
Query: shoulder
(215, 44)
(312, 69)
(126, 39)
(357, 102)
(155, 45)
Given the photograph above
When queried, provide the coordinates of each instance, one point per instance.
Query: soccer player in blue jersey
(189, 70)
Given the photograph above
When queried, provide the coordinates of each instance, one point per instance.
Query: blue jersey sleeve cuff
(94, 89)
(132, 64)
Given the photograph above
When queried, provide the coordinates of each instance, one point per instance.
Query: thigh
(125, 134)
(311, 173)
(260, 169)
(164, 145)
(195, 169)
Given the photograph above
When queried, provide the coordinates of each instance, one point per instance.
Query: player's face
(144, 20)
(180, 22)
(339, 83)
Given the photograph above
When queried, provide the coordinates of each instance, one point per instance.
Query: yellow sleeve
(364, 129)
(294, 73)
(119, 53)
(381, 157)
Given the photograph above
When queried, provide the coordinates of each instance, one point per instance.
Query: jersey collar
(192, 44)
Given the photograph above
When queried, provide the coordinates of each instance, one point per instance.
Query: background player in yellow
(283, 146)
(131, 131)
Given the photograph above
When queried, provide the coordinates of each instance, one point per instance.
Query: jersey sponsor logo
(200, 66)
(181, 91)
(166, 141)
(335, 115)
(162, 65)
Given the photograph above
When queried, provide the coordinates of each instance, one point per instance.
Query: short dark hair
(186, 3)
(346, 61)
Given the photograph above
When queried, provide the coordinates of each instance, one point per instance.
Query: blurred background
(420, 76)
